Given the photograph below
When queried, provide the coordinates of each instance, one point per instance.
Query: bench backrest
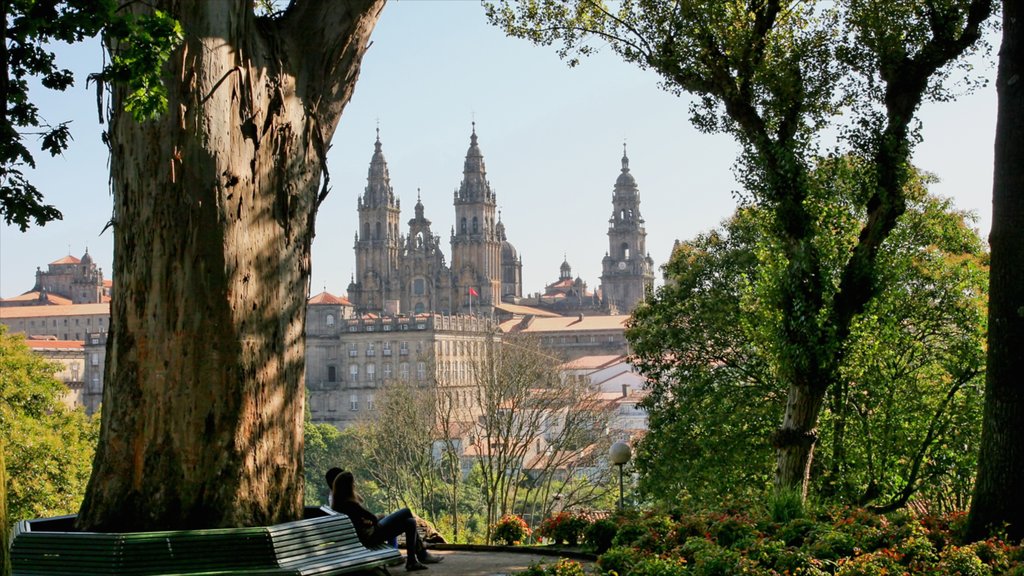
(325, 545)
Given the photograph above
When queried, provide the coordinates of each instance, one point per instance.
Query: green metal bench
(322, 546)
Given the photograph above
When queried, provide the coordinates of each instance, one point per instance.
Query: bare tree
(535, 429)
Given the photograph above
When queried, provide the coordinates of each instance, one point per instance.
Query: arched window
(476, 225)
(419, 308)
(330, 319)
(625, 251)
(366, 231)
(462, 227)
(377, 235)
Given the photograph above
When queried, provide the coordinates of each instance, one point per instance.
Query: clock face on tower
(622, 265)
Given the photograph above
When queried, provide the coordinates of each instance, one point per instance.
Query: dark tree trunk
(1000, 482)
(214, 207)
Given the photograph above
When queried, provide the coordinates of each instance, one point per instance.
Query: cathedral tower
(627, 268)
(476, 247)
(426, 280)
(377, 241)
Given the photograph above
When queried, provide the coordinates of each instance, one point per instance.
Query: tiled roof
(593, 362)
(108, 283)
(328, 298)
(55, 344)
(52, 299)
(524, 310)
(9, 312)
(567, 324)
(69, 259)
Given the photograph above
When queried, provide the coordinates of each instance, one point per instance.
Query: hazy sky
(551, 138)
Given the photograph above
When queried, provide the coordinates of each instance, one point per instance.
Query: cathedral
(407, 274)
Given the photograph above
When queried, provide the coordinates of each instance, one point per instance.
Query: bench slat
(322, 546)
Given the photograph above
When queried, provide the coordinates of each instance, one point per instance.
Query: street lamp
(619, 454)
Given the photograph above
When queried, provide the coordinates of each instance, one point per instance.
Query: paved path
(466, 563)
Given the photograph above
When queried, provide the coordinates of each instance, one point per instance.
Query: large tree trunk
(214, 207)
(1000, 480)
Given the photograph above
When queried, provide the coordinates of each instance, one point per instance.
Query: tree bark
(5, 559)
(214, 207)
(1000, 480)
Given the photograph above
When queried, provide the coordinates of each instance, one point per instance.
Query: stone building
(61, 322)
(572, 337)
(68, 280)
(71, 358)
(567, 296)
(627, 268)
(351, 362)
(408, 273)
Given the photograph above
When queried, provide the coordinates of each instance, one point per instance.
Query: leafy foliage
(903, 420)
(775, 74)
(140, 47)
(48, 448)
(837, 541)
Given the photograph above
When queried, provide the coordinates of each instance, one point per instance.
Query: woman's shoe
(414, 565)
(428, 558)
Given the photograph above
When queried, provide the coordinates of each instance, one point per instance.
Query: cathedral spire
(474, 173)
(378, 181)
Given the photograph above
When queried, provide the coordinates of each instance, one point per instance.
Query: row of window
(385, 349)
(333, 402)
(53, 322)
(555, 340)
(371, 372)
(329, 320)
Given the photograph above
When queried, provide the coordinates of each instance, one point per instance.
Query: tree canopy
(29, 31)
(48, 447)
(903, 421)
(775, 74)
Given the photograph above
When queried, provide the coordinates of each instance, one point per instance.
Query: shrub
(733, 530)
(880, 563)
(510, 529)
(715, 560)
(564, 567)
(828, 544)
(962, 562)
(655, 566)
(795, 531)
(619, 560)
(628, 534)
(600, 534)
(563, 527)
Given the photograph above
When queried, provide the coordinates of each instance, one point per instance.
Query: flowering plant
(510, 529)
(563, 527)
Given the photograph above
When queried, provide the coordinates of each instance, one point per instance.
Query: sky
(552, 139)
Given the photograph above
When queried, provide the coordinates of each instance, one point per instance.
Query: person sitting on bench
(373, 531)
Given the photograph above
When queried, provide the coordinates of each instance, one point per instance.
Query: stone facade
(349, 363)
(65, 322)
(68, 280)
(408, 274)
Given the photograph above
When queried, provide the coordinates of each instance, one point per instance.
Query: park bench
(321, 546)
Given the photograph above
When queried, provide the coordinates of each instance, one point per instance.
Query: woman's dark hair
(344, 488)
(331, 475)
